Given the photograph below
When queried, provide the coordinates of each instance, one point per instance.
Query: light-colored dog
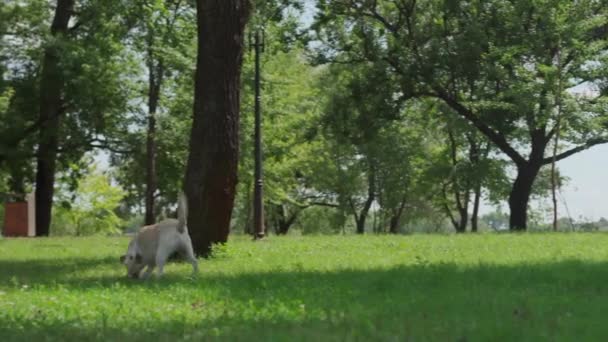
(153, 244)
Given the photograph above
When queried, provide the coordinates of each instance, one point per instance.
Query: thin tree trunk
(396, 218)
(475, 214)
(463, 209)
(249, 209)
(462, 204)
(51, 103)
(371, 195)
(554, 177)
(446, 207)
(277, 212)
(151, 176)
(155, 79)
(558, 99)
(211, 174)
(475, 156)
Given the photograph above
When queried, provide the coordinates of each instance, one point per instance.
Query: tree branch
(15, 140)
(566, 154)
(373, 13)
(96, 143)
(496, 137)
(323, 204)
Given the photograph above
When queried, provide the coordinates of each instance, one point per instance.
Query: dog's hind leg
(161, 259)
(188, 254)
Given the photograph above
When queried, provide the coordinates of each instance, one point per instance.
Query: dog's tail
(182, 212)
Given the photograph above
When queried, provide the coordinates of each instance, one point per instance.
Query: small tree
(90, 209)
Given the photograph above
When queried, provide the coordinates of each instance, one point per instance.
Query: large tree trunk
(51, 103)
(522, 186)
(211, 174)
(520, 195)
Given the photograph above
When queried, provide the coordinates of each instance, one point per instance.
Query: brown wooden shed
(20, 217)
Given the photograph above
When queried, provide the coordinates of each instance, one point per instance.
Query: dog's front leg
(147, 273)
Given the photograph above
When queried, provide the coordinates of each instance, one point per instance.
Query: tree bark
(211, 174)
(51, 103)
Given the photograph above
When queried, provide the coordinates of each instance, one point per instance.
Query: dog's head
(132, 261)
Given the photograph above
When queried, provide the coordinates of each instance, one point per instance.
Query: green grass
(421, 287)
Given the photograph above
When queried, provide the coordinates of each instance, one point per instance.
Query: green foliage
(510, 69)
(290, 110)
(526, 287)
(90, 208)
(163, 38)
(97, 91)
(5, 97)
(321, 220)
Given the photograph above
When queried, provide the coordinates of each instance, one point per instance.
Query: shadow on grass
(546, 301)
(45, 271)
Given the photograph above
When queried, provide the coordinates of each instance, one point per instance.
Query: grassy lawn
(421, 287)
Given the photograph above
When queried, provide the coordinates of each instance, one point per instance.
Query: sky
(586, 193)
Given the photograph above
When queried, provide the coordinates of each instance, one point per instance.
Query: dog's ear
(138, 258)
(122, 258)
